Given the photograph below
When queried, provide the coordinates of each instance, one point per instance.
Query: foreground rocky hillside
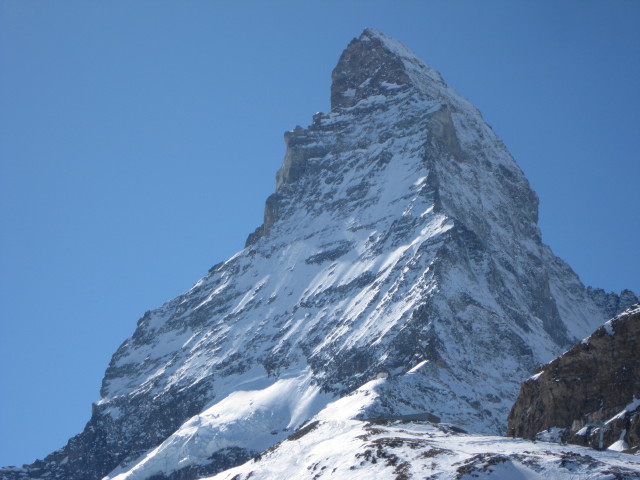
(368, 451)
(404, 451)
(590, 395)
(335, 446)
(401, 240)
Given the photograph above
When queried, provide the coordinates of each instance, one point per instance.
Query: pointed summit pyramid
(401, 240)
(375, 64)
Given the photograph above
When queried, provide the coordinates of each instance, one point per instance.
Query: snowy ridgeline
(354, 450)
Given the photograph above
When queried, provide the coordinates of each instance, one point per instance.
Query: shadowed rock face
(596, 382)
(364, 67)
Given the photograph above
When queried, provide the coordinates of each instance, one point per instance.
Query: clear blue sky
(139, 140)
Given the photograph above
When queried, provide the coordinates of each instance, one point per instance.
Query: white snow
(583, 431)
(355, 450)
(608, 326)
(418, 367)
(250, 419)
(553, 434)
(619, 445)
(536, 376)
(633, 405)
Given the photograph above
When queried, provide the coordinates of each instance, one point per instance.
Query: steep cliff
(590, 395)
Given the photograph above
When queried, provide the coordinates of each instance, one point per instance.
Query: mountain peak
(401, 240)
(376, 64)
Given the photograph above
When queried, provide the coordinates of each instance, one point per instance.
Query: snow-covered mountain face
(402, 238)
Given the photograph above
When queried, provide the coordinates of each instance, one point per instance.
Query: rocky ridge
(590, 395)
(402, 238)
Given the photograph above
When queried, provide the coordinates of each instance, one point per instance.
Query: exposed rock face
(402, 237)
(593, 388)
(611, 303)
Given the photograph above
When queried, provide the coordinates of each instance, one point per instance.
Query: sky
(139, 141)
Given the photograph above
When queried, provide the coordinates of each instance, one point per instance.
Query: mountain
(592, 389)
(401, 243)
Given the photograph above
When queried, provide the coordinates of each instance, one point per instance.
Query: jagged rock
(402, 237)
(612, 303)
(592, 389)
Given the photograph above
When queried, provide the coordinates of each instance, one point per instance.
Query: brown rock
(592, 386)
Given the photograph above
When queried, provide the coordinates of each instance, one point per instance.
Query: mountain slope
(402, 238)
(403, 451)
(590, 395)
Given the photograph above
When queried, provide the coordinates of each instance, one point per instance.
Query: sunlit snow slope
(402, 238)
(346, 449)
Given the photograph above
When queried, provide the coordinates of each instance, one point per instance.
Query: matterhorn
(397, 288)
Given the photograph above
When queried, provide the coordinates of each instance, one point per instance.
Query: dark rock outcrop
(590, 395)
(364, 68)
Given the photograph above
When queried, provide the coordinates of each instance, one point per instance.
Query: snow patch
(619, 445)
(635, 403)
(608, 326)
(553, 435)
(537, 375)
